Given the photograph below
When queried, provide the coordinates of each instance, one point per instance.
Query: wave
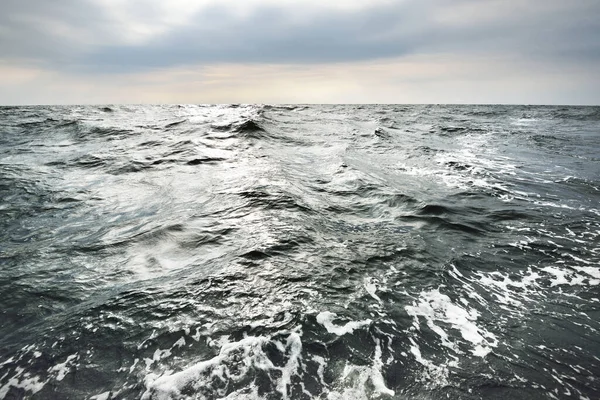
(266, 251)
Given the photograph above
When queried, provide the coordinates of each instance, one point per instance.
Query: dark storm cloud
(83, 36)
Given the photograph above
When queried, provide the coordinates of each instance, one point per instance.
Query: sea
(331, 252)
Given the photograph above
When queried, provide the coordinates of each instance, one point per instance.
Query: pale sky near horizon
(303, 51)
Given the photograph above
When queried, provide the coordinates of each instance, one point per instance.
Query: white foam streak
(294, 343)
(371, 288)
(63, 369)
(376, 374)
(23, 380)
(101, 396)
(170, 386)
(435, 306)
(433, 375)
(326, 318)
(244, 355)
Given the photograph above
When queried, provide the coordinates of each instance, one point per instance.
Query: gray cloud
(32, 29)
(73, 51)
(549, 29)
(269, 36)
(83, 36)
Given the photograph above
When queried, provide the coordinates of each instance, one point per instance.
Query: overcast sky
(303, 51)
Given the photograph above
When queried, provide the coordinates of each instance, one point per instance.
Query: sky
(302, 51)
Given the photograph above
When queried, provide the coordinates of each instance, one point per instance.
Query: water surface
(297, 252)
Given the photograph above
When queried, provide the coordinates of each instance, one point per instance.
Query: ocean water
(299, 252)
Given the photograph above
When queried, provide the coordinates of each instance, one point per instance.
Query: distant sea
(299, 252)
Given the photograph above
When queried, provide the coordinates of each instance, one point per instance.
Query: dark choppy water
(332, 252)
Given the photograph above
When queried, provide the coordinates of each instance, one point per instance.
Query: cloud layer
(92, 41)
